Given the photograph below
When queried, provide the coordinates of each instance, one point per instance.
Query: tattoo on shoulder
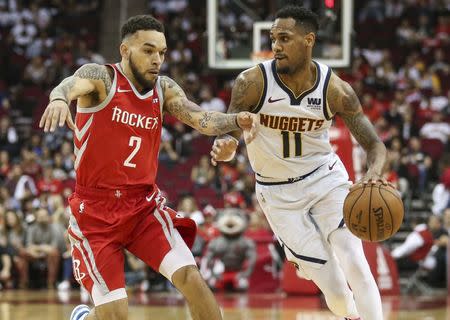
(95, 71)
(169, 84)
(243, 89)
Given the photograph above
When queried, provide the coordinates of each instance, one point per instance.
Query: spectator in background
(437, 129)
(441, 194)
(438, 100)
(418, 165)
(202, 174)
(372, 10)
(440, 65)
(188, 208)
(23, 34)
(436, 262)
(416, 246)
(5, 258)
(9, 140)
(5, 165)
(30, 164)
(43, 240)
(209, 102)
(166, 152)
(36, 72)
(16, 239)
(48, 183)
(447, 219)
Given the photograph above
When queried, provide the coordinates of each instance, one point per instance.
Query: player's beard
(291, 69)
(144, 83)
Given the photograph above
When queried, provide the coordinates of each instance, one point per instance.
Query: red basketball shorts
(105, 222)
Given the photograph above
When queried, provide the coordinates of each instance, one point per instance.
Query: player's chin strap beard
(139, 78)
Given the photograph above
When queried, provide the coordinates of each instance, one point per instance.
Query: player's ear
(124, 50)
(310, 39)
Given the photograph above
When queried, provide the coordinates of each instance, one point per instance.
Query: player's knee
(187, 277)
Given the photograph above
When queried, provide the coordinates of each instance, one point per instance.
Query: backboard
(238, 31)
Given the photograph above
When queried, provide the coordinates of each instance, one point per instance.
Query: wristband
(61, 99)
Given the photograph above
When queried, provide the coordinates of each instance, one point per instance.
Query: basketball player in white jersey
(301, 183)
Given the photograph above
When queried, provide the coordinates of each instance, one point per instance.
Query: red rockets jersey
(117, 142)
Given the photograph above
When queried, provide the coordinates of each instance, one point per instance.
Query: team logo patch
(76, 271)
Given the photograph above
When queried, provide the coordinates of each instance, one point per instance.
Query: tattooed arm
(344, 102)
(88, 79)
(206, 122)
(90, 84)
(246, 93)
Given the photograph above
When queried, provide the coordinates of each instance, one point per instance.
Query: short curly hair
(140, 22)
(303, 17)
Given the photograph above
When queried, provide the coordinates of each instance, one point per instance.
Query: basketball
(373, 212)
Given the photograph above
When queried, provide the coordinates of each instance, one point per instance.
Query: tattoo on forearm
(205, 119)
(362, 129)
(95, 71)
(223, 123)
(177, 109)
(63, 89)
(211, 123)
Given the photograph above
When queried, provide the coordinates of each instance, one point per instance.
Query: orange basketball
(373, 212)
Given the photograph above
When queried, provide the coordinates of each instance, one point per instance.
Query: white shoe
(80, 312)
(65, 285)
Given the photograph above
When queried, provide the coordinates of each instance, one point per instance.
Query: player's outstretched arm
(344, 101)
(89, 79)
(245, 95)
(206, 122)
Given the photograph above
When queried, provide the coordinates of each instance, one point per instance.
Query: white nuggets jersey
(293, 135)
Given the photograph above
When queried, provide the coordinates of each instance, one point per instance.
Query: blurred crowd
(400, 71)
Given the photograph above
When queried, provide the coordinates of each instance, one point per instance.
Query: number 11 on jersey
(286, 144)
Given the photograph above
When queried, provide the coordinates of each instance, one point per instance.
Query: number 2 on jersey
(131, 143)
(286, 144)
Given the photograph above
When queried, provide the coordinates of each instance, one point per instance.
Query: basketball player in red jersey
(301, 183)
(116, 204)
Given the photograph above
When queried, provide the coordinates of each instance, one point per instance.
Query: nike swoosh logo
(331, 167)
(274, 100)
(122, 90)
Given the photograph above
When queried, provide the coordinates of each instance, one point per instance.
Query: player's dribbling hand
(248, 122)
(56, 114)
(373, 178)
(223, 149)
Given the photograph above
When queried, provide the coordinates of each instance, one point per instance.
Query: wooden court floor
(53, 305)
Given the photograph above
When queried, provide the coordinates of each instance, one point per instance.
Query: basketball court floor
(52, 305)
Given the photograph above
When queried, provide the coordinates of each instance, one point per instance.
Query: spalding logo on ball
(373, 212)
